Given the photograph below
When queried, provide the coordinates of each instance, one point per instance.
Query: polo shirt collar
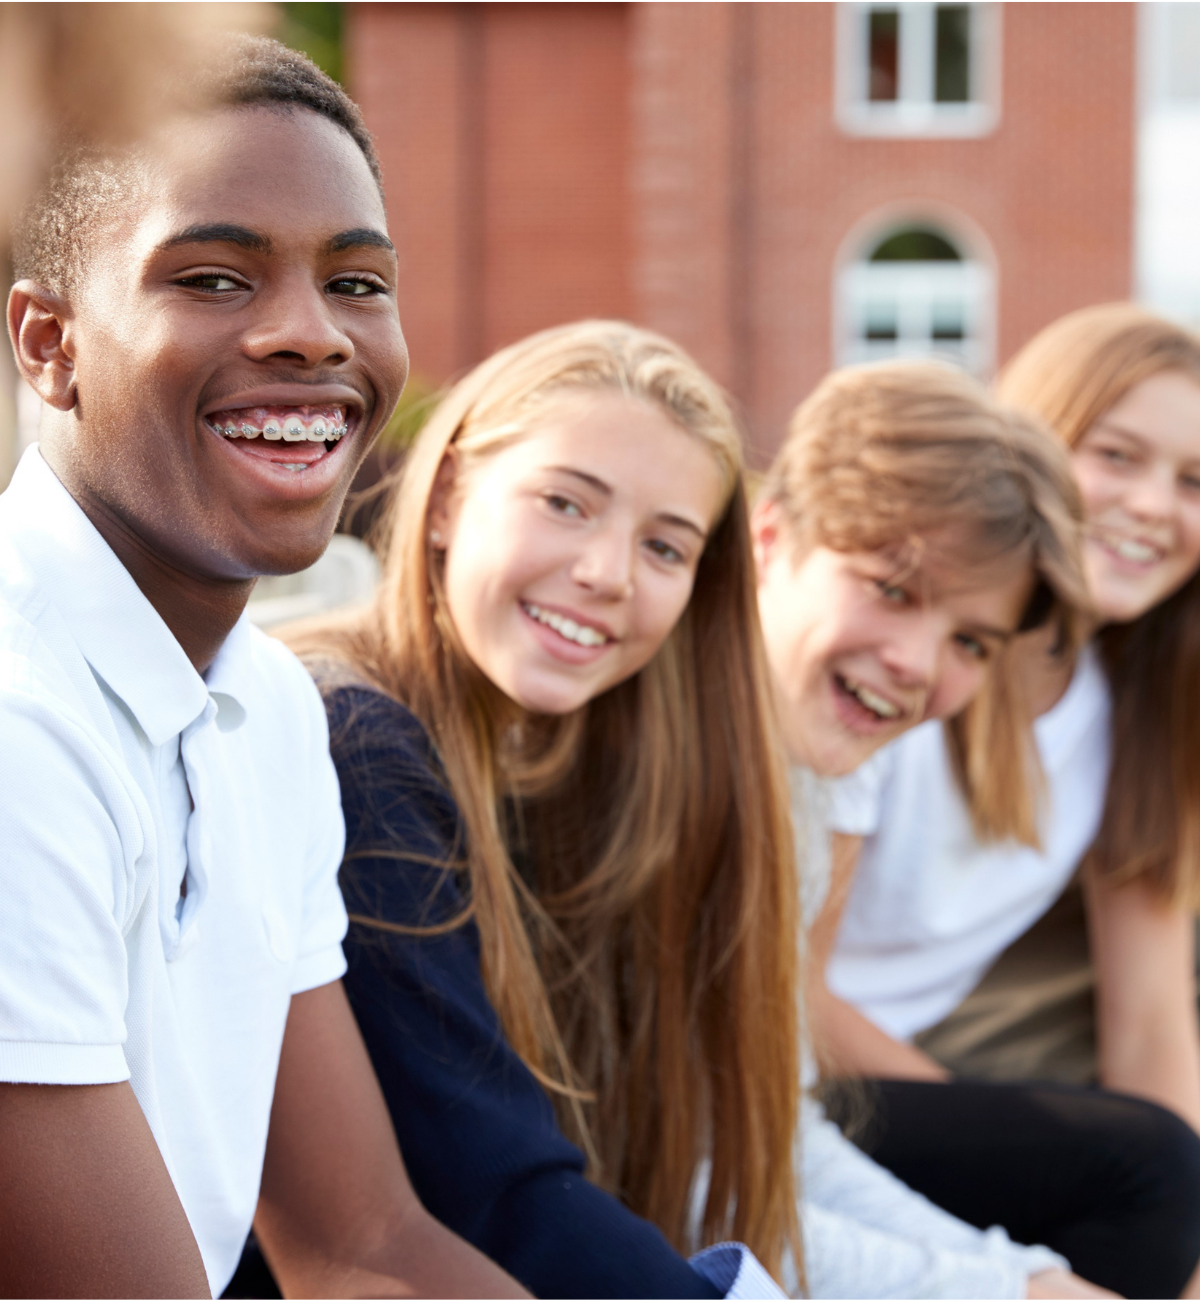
(120, 634)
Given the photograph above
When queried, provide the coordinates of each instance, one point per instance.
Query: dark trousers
(1110, 1181)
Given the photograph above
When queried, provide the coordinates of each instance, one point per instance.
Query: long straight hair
(1071, 375)
(644, 963)
(881, 455)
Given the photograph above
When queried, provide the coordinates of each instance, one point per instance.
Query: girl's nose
(605, 565)
(1153, 495)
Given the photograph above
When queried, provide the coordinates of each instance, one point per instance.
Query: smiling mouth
(292, 437)
(579, 633)
(1131, 550)
(875, 704)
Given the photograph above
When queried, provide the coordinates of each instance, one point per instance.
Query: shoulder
(49, 700)
(392, 780)
(373, 733)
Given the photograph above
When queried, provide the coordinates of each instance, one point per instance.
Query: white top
(867, 1234)
(931, 906)
(121, 769)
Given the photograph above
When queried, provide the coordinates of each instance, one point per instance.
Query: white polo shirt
(122, 769)
(931, 906)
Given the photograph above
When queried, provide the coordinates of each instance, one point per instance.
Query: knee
(1170, 1153)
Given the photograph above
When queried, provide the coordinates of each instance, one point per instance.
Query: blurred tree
(315, 30)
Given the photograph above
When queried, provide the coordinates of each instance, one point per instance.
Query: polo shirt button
(278, 936)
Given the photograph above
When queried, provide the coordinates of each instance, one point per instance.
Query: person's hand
(1058, 1284)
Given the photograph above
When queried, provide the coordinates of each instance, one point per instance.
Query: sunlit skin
(1138, 468)
(244, 277)
(599, 515)
(863, 645)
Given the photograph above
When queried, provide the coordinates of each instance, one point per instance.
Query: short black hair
(50, 237)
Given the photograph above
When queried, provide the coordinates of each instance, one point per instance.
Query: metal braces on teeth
(292, 431)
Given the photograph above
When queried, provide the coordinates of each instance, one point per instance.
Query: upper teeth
(291, 429)
(1137, 552)
(567, 627)
(876, 703)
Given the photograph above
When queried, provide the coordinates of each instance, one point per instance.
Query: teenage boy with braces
(210, 320)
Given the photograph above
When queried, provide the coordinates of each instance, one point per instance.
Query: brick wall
(504, 135)
(680, 164)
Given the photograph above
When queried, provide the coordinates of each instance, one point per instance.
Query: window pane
(880, 320)
(952, 75)
(947, 319)
(884, 55)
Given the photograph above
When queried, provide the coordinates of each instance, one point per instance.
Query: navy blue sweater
(477, 1130)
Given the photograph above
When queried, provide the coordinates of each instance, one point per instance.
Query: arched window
(915, 293)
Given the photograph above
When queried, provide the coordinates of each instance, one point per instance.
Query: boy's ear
(766, 533)
(39, 324)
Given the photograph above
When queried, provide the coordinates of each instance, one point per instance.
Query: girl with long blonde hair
(569, 859)
(1113, 780)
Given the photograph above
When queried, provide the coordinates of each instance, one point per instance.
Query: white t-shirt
(120, 770)
(931, 906)
(867, 1234)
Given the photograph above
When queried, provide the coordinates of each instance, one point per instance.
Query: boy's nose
(299, 326)
(912, 659)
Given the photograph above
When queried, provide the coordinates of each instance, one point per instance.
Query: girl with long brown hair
(1114, 781)
(569, 860)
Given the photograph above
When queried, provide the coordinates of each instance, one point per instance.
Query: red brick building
(777, 186)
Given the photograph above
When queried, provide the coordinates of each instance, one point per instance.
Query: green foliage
(916, 245)
(417, 404)
(315, 30)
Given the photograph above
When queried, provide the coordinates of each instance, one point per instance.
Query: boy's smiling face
(252, 291)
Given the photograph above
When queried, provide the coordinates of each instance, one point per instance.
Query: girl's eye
(1114, 455)
(354, 286)
(210, 283)
(563, 506)
(891, 593)
(972, 645)
(1191, 482)
(665, 551)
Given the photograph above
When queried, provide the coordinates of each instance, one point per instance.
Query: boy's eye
(665, 551)
(891, 593)
(210, 283)
(972, 645)
(354, 286)
(1191, 482)
(1114, 455)
(563, 506)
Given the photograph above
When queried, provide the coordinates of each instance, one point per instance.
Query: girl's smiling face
(864, 645)
(1138, 468)
(570, 554)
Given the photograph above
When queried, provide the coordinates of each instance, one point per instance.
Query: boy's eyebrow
(219, 232)
(601, 486)
(225, 232)
(1002, 634)
(361, 237)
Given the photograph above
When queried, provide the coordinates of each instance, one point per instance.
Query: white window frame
(914, 287)
(915, 112)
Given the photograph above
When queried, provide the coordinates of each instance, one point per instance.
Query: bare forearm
(1148, 1040)
(419, 1258)
(1158, 1064)
(848, 1044)
(337, 1214)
